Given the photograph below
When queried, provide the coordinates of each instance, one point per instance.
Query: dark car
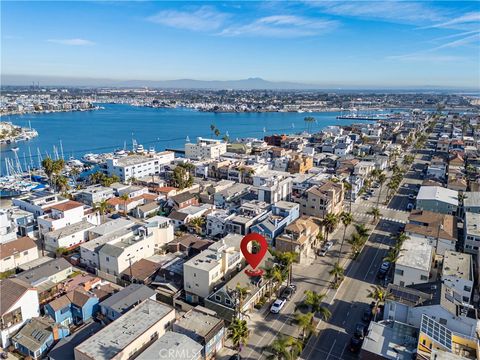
(360, 330)
(288, 292)
(235, 357)
(355, 344)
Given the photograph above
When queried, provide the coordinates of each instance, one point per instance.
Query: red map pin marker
(254, 259)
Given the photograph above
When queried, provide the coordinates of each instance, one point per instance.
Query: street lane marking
(328, 355)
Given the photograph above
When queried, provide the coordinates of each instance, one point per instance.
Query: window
(423, 277)
(7, 258)
(467, 288)
(227, 301)
(64, 310)
(399, 272)
(218, 298)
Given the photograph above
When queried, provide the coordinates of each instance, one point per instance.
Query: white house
(414, 263)
(216, 224)
(205, 149)
(204, 271)
(273, 186)
(38, 203)
(457, 274)
(68, 237)
(18, 303)
(137, 166)
(162, 230)
(94, 194)
(471, 231)
(17, 252)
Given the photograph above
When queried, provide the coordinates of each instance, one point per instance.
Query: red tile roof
(69, 205)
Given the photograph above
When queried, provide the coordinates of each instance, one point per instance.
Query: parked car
(323, 251)
(355, 344)
(278, 305)
(288, 292)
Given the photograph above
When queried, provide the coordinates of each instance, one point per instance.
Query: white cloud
(283, 26)
(475, 38)
(72, 42)
(425, 57)
(469, 21)
(401, 12)
(205, 18)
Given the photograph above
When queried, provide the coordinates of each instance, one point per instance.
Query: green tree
(239, 333)
(197, 224)
(273, 275)
(102, 207)
(338, 272)
(330, 223)
(217, 132)
(212, 129)
(309, 120)
(305, 323)
(348, 188)
(362, 231)
(125, 198)
(182, 177)
(381, 180)
(286, 260)
(379, 295)
(314, 301)
(347, 219)
(375, 212)
(285, 348)
(61, 183)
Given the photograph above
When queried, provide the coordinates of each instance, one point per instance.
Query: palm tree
(273, 274)
(308, 121)
(347, 219)
(381, 180)
(238, 332)
(338, 272)
(376, 214)
(61, 183)
(48, 167)
(362, 231)
(356, 241)
(330, 223)
(102, 207)
(348, 187)
(286, 260)
(379, 295)
(305, 323)
(285, 348)
(314, 301)
(241, 294)
(125, 198)
(216, 132)
(132, 180)
(197, 224)
(225, 138)
(212, 129)
(74, 174)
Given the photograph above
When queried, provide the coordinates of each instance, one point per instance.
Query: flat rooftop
(115, 337)
(133, 160)
(111, 226)
(472, 199)
(391, 340)
(170, 346)
(415, 255)
(198, 320)
(72, 229)
(457, 264)
(472, 224)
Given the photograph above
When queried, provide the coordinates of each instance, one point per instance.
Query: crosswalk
(359, 214)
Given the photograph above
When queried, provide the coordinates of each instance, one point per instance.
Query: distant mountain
(250, 83)
(254, 83)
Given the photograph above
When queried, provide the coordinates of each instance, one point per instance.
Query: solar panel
(436, 332)
(405, 295)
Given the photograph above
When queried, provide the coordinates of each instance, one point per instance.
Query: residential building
(204, 271)
(94, 194)
(471, 202)
(437, 199)
(250, 213)
(137, 166)
(457, 274)
(216, 222)
(38, 203)
(439, 230)
(46, 278)
(205, 149)
(204, 327)
(300, 237)
(230, 196)
(75, 307)
(63, 350)
(67, 237)
(173, 345)
(283, 214)
(471, 233)
(15, 222)
(37, 336)
(389, 339)
(320, 200)
(299, 164)
(273, 186)
(130, 334)
(123, 301)
(364, 168)
(224, 301)
(18, 304)
(162, 229)
(16, 253)
(437, 341)
(414, 263)
(182, 200)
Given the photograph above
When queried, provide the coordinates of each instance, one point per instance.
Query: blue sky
(330, 43)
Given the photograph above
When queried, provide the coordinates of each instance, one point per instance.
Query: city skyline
(390, 44)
